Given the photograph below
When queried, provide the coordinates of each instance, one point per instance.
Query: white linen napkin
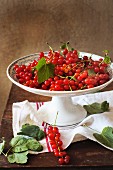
(26, 112)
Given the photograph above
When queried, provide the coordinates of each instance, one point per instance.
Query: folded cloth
(26, 112)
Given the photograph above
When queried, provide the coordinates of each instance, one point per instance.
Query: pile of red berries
(56, 145)
(71, 72)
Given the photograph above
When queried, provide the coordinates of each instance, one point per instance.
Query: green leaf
(107, 59)
(91, 72)
(41, 63)
(106, 51)
(2, 145)
(29, 130)
(66, 45)
(63, 46)
(108, 132)
(97, 107)
(40, 135)
(45, 72)
(25, 125)
(18, 141)
(20, 148)
(32, 131)
(106, 137)
(19, 158)
(105, 106)
(72, 49)
(34, 145)
(39, 148)
(21, 144)
(11, 158)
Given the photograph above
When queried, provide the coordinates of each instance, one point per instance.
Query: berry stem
(56, 119)
(4, 154)
(50, 47)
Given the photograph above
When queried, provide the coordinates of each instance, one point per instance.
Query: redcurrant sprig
(56, 143)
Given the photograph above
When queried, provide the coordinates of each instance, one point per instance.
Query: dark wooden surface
(84, 155)
(26, 26)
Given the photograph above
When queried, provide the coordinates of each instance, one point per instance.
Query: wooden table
(84, 155)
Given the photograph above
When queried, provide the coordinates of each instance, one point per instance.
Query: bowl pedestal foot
(62, 111)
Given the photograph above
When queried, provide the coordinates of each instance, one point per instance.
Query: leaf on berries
(91, 72)
(66, 45)
(107, 59)
(97, 107)
(20, 158)
(44, 70)
(63, 46)
(106, 51)
(41, 63)
(2, 144)
(105, 137)
(72, 49)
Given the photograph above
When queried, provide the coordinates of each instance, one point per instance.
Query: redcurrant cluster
(25, 75)
(56, 145)
(71, 72)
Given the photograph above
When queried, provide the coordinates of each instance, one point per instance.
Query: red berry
(56, 153)
(41, 54)
(51, 135)
(66, 159)
(65, 51)
(75, 52)
(55, 130)
(59, 143)
(61, 161)
(50, 128)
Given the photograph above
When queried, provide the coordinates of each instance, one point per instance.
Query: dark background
(26, 26)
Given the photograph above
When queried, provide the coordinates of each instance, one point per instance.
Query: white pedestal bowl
(69, 114)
